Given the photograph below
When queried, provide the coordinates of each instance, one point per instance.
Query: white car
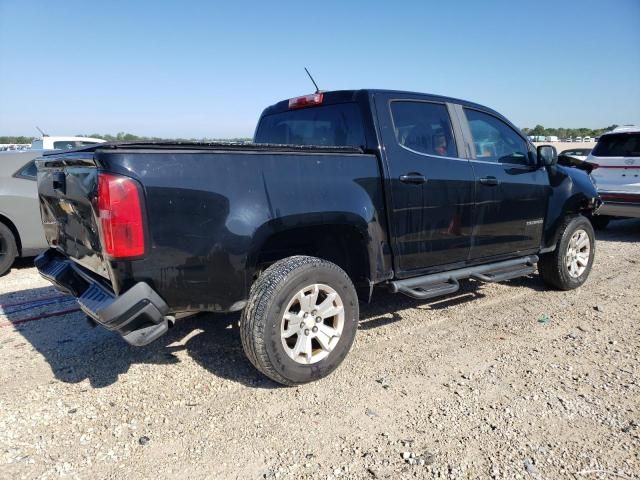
(587, 139)
(63, 143)
(617, 173)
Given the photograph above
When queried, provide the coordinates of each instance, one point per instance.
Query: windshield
(618, 145)
(330, 125)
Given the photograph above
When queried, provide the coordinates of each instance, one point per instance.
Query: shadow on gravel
(620, 231)
(25, 262)
(76, 351)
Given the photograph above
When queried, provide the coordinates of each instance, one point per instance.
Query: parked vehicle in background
(577, 153)
(340, 193)
(551, 138)
(63, 143)
(617, 175)
(578, 139)
(587, 139)
(21, 233)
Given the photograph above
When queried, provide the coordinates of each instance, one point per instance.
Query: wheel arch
(343, 239)
(572, 194)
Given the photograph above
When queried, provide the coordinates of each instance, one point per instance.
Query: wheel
(8, 249)
(600, 222)
(300, 320)
(568, 266)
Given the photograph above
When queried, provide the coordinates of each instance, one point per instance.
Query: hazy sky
(207, 68)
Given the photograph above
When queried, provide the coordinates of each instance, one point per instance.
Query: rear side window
(424, 127)
(337, 125)
(29, 171)
(618, 145)
(494, 140)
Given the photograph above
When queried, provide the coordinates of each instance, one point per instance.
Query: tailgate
(67, 186)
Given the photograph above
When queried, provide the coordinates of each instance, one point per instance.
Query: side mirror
(547, 155)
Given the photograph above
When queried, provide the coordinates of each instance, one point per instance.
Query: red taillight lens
(306, 101)
(120, 216)
(593, 165)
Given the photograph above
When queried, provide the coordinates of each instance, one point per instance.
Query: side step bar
(434, 285)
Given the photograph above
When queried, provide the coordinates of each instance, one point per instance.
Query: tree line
(129, 137)
(126, 137)
(567, 132)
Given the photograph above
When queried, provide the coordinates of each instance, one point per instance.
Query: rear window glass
(69, 144)
(581, 152)
(618, 145)
(330, 125)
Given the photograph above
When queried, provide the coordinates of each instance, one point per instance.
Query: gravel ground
(498, 381)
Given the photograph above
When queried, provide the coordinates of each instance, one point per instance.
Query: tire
(270, 340)
(600, 222)
(554, 267)
(8, 249)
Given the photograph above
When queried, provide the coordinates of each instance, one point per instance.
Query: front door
(511, 190)
(431, 185)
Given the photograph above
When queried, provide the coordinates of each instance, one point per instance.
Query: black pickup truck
(340, 192)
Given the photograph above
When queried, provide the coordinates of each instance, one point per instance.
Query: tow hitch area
(139, 314)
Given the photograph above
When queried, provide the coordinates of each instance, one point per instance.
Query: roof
(339, 96)
(625, 129)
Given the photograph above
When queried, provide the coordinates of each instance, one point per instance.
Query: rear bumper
(139, 314)
(619, 204)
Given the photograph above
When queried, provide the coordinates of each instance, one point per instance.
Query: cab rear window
(337, 125)
(618, 145)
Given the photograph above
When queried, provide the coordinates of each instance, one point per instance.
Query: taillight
(306, 100)
(593, 165)
(120, 216)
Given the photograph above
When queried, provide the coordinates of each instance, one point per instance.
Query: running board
(434, 285)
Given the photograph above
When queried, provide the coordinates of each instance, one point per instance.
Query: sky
(207, 68)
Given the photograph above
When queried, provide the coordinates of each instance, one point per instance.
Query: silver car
(21, 233)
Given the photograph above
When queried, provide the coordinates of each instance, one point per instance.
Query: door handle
(491, 181)
(414, 178)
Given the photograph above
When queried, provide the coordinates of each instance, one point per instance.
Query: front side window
(423, 127)
(618, 145)
(494, 140)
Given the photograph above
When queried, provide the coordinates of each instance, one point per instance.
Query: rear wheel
(8, 249)
(300, 321)
(569, 265)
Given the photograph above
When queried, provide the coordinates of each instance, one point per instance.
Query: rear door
(511, 190)
(430, 184)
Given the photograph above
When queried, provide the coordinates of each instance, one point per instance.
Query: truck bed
(208, 208)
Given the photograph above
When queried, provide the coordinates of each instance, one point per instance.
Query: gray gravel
(466, 386)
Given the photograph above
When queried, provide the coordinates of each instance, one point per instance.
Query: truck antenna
(314, 82)
(41, 132)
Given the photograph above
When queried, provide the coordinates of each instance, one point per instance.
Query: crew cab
(340, 193)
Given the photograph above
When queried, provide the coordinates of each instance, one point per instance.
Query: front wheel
(300, 321)
(569, 265)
